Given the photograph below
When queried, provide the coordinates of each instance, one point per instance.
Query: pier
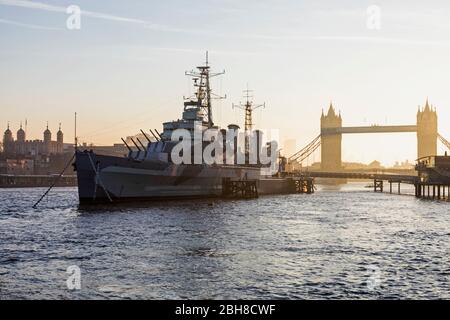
(241, 189)
(301, 184)
(411, 179)
(431, 182)
(434, 178)
(377, 178)
(433, 191)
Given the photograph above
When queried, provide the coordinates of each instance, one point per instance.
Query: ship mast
(248, 108)
(204, 94)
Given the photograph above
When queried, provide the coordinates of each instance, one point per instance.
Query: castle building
(23, 147)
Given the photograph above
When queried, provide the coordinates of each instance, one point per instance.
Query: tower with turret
(47, 140)
(23, 147)
(59, 140)
(21, 137)
(331, 155)
(427, 131)
(8, 141)
(20, 142)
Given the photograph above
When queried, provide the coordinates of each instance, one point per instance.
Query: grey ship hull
(102, 179)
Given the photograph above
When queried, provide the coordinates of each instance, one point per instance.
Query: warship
(148, 172)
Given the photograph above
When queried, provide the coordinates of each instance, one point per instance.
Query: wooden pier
(377, 178)
(302, 185)
(432, 191)
(239, 189)
(399, 183)
(431, 182)
(378, 185)
(434, 178)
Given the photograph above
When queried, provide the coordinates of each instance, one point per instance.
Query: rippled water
(349, 243)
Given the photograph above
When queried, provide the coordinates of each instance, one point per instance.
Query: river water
(338, 243)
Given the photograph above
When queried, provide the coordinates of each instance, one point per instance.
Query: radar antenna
(203, 96)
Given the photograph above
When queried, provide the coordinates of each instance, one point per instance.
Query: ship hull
(114, 179)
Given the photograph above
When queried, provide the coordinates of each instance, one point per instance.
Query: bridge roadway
(361, 175)
(369, 129)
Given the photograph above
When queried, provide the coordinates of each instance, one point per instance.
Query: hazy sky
(124, 69)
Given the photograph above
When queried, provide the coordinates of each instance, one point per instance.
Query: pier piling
(432, 191)
(302, 185)
(378, 185)
(241, 189)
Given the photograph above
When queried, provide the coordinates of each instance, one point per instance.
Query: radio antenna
(248, 108)
(75, 128)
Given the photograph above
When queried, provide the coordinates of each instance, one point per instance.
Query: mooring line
(97, 177)
(54, 182)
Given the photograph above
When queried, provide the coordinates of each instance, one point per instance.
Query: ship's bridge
(193, 119)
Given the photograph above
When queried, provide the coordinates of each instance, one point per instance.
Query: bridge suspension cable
(304, 153)
(444, 141)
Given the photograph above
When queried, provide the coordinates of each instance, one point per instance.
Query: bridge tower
(427, 131)
(331, 155)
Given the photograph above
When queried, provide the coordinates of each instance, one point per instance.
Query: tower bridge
(371, 129)
(431, 177)
(426, 129)
(331, 131)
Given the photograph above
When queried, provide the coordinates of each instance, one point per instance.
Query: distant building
(23, 147)
(375, 165)
(404, 165)
(18, 166)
